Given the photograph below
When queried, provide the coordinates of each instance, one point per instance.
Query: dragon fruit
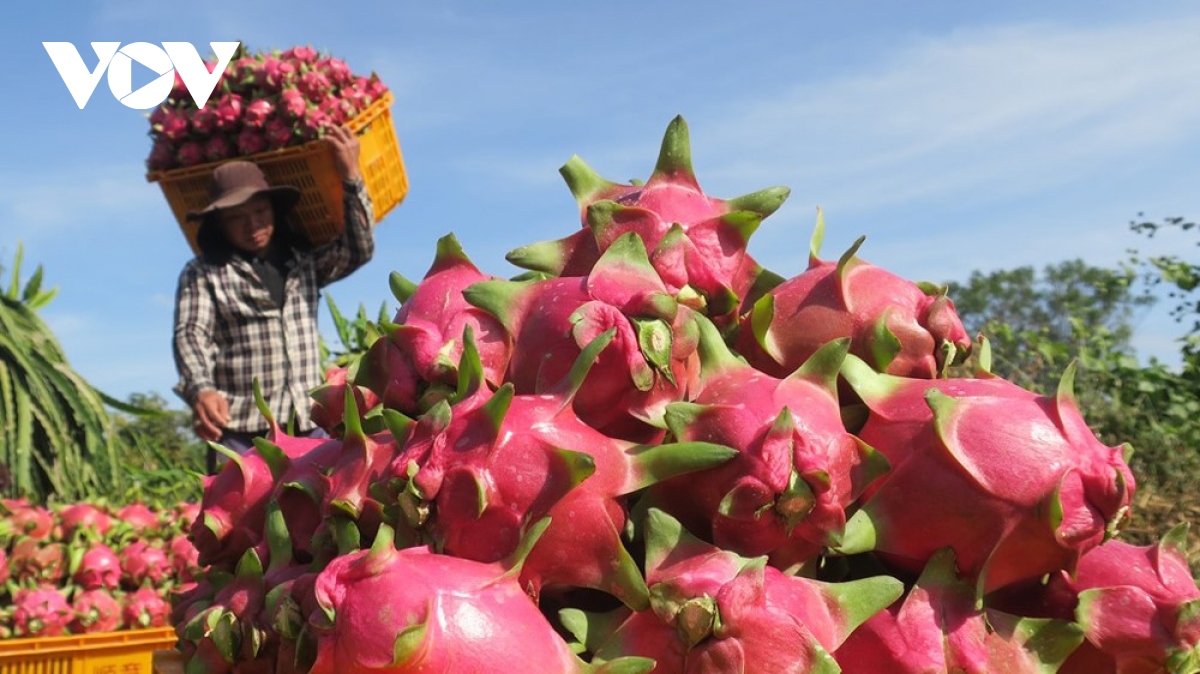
(714, 611)
(143, 562)
(444, 614)
(506, 460)
(328, 406)
(138, 517)
(32, 561)
(651, 362)
(96, 610)
(797, 470)
(84, 516)
(684, 462)
(1025, 502)
(99, 568)
(417, 364)
(40, 612)
(145, 607)
(31, 521)
(1138, 606)
(897, 326)
(937, 628)
(697, 243)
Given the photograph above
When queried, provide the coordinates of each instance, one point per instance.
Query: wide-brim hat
(236, 182)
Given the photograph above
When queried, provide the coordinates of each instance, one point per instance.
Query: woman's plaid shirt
(229, 332)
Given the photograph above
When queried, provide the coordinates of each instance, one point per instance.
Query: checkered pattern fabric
(229, 332)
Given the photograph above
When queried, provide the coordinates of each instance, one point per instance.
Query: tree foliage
(1038, 323)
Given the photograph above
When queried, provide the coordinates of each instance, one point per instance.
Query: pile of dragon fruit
(650, 454)
(84, 568)
(263, 101)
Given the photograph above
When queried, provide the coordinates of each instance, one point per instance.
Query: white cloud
(995, 111)
(55, 202)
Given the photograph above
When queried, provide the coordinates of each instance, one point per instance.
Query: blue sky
(955, 136)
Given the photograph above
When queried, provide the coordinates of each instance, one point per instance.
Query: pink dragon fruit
(145, 607)
(329, 399)
(204, 121)
(96, 610)
(651, 362)
(251, 141)
(336, 70)
(314, 123)
(233, 508)
(937, 628)
(292, 103)
(172, 124)
(445, 614)
(257, 113)
(897, 326)
(84, 517)
(1027, 502)
(300, 54)
(315, 85)
(697, 243)
(797, 470)
(99, 568)
(218, 147)
(714, 611)
(275, 73)
(229, 110)
(33, 561)
(162, 155)
(185, 558)
(1139, 607)
(278, 132)
(139, 517)
(40, 612)
(142, 563)
(226, 626)
(423, 349)
(31, 521)
(189, 153)
(506, 460)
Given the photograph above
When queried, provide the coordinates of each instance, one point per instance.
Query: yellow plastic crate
(124, 652)
(310, 168)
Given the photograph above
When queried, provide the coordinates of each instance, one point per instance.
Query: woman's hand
(210, 414)
(345, 151)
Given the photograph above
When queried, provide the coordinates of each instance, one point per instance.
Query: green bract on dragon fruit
(647, 453)
(262, 101)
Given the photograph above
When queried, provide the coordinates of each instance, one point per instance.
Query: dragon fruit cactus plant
(648, 453)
